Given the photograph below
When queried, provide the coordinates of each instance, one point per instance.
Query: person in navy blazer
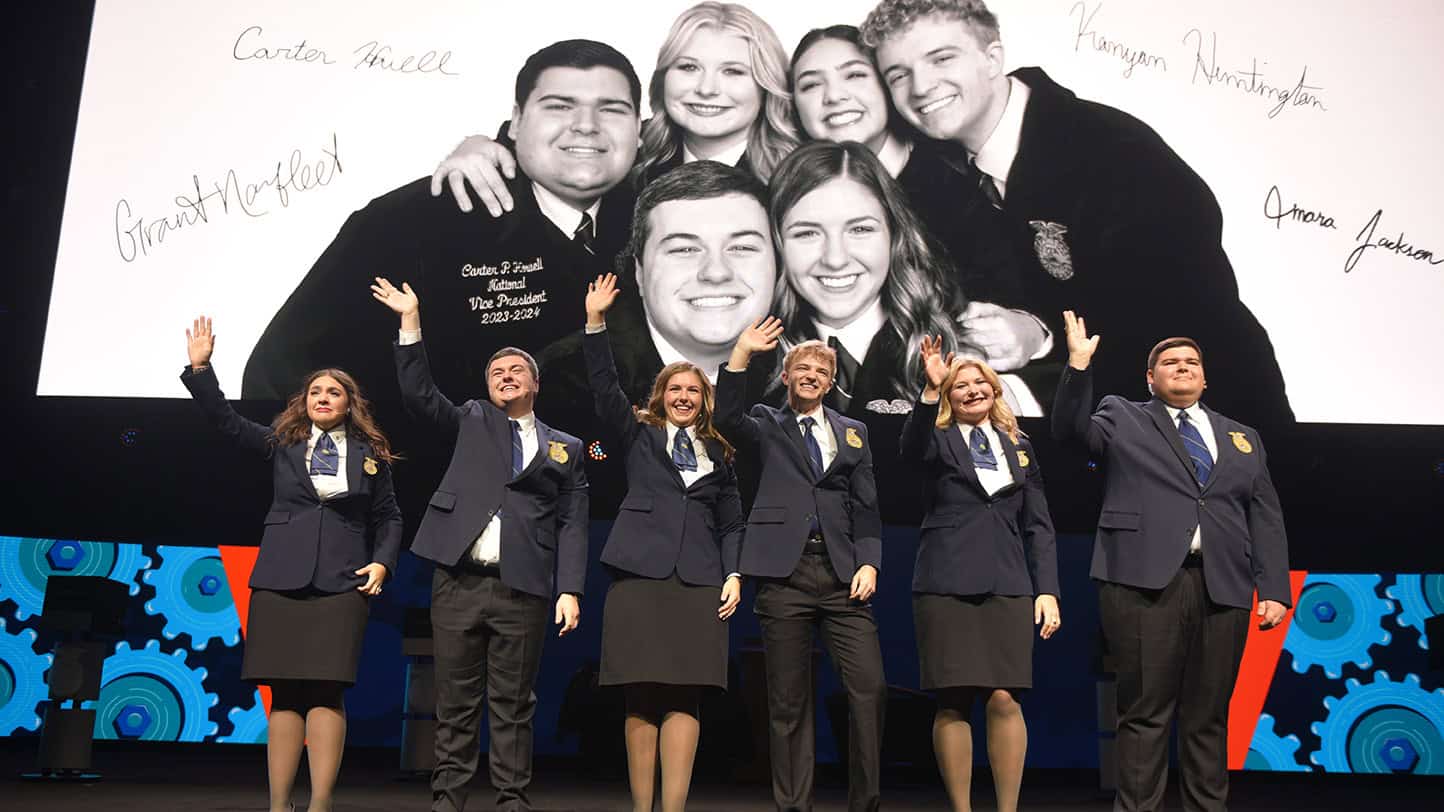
(1190, 530)
(814, 542)
(332, 535)
(510, 511)
(674, 545)
(986, 568)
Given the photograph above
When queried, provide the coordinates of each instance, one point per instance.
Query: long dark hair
(921, 296)
(896, 124)
(293, 425)
(655, 414)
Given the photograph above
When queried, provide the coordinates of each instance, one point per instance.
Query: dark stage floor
(231, 778)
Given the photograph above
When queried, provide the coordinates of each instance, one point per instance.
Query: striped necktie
(1195, 446)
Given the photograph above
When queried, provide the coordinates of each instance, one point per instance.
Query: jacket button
(1200, 503)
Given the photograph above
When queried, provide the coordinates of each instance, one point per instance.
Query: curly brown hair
(293, 425)
(655, 413)
(895, 16)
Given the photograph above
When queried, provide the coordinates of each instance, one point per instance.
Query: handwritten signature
(1250, 81)
(1130, 56)
(250, 46)
(1365, 239)
(137, 236)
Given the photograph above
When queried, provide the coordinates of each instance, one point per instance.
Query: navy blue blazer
(972, 543)
(1152, 500)
(844, 500)
(544, 529)
(308, 542)
(663, 526)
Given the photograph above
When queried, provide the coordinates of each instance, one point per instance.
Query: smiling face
(837, 249)
(807, 376)
(943, 81)
(708, 91)
(682, 398)
(576, 135)
(839, 95)
(1177, 377)
(971, 396)
(511, 384)
(707, 271)
(326, 402)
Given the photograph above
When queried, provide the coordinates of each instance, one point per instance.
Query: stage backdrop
(220, 147)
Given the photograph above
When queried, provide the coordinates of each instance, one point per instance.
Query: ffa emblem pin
(557, 451)
(1241, 442)
(853, 438)
(369, 466)
(1052, 249)
(1022, 458)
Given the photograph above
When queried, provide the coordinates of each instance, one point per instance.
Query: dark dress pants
(1176, 651)
(788, 610)
(488, 639)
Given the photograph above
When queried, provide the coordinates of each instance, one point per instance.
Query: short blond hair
(892, 17)
(810, 348)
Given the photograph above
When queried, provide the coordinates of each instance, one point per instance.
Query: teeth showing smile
(582, 150)
(932, 107)
(707, 109)
(839, 282)
(844, 118)
(714, 302)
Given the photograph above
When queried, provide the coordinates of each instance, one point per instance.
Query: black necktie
(585, 235)
(324, 459)
(683, 455)
(845, 377)
(516, 455)
(986, 185)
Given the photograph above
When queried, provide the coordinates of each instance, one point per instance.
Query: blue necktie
(814, 451)
(1197, 449)
(324, 460)
(516, 456)
(683, 455)
(981, 451)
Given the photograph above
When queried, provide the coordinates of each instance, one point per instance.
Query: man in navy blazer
(814, 542)
(511, 509)
(1191, 527)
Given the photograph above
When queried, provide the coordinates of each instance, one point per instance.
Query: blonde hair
(1000, 415)
(773, 135)
(813, 348)
(655, 413)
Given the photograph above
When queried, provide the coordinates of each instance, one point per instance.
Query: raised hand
(935, 365)
(1081, 346)
(1008, 338)
(403, 302)
(200, 342)
(761, 336)
(601, 294)
(482, 162)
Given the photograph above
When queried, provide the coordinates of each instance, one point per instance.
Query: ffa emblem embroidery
(1023, 458)
(557, 451)
(1053, 253)
(853, 438)
(1241, 442)
(369, 466)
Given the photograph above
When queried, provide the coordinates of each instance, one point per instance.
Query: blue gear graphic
(152, 696)
(25, 564)
(1382, 727)
(22, 680)
(193, 595)
(1272, 752)
(1420, 597)
(1337, 620)
(248, 725)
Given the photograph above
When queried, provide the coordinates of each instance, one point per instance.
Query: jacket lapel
(787, 423)
(544, 439)
(1225, 449)
(1010, 452)
(964, 458)
(356, 452)
(839, 431)
(1169, 430)
(664, 453)
(296, 454)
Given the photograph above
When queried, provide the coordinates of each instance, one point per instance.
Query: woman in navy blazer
(332, 536)
(673, 554)
(986, 568)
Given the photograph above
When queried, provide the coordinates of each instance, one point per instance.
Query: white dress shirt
(486, 549)
(564, 215)
(894, 154)
(822, 432)
(704, 462)
(1199, 418)
(729, 156)
(992, 481)
(327, 486)
(856, 336)
(997, 154)
(668, 353)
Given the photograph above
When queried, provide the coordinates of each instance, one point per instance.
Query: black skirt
(974, 641)
(663, 630)
(304, 635)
